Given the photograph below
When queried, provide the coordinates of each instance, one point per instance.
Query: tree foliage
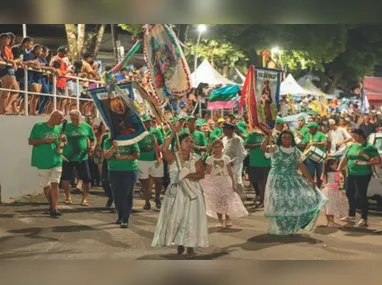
(339, 54)
(80, 41)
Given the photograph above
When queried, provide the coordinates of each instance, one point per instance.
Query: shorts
(82, 167)
(148, 168)
(49, 176)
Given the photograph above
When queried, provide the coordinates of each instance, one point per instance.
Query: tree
(221, 54)
(338, 54)
(79, 41)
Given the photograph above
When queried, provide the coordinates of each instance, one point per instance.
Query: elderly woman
(359, 158)
(182, 220)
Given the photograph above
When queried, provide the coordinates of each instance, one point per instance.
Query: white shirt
(234, 149)
(219, 165)
(336, 136)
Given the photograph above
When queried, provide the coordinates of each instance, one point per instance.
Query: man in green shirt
(319, 140)
(46, 157)
(259, 165)
(200, 140)
(360, 157)
(150, 164)
(301, 131)
(122, 163)
(81, 142)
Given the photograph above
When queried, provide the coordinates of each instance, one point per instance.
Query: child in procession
(222, 201)
(337, 206)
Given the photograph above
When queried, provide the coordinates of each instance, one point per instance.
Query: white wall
(17, 177)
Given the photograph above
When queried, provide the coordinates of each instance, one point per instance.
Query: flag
(125, 61)
(223, 98)
(364, 102)
(248, 98)
(115, 103)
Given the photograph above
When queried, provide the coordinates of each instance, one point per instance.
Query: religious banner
(170, 74)
(120, 112)
(267, 94)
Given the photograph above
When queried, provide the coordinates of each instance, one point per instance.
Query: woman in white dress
(182, 219)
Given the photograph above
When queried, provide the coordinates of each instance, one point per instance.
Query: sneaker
(147, 206)
(55, 213)
(362, 224)
(109, 202)
(348, 219)
(158, 203)
(124, 225)
(47, 212)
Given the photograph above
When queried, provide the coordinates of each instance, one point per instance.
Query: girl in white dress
(182, 219)
(219, 188)
(337, 206)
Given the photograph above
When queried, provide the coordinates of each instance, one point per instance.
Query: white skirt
(182, 221)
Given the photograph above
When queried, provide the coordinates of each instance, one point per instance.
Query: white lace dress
(218, 191)
(338, 205)
(182, 220)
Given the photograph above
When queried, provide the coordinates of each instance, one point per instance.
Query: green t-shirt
(199, 139)
(317, 137)
(103, 139)
(211, 138)
(45, 156)
(123, 164)
(304, 130)
(257, 156)
(77, 146)
(149, 141)
(352, 156)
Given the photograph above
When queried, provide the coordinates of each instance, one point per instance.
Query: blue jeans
(314, 168)
(44, 99)
(356, 189)
(122, 183)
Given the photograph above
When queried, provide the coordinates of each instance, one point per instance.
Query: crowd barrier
(54, 94)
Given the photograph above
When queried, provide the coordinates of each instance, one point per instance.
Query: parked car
(375, 187)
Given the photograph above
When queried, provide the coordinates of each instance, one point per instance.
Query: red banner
(248, 98)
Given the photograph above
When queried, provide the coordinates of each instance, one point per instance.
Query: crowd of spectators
(42, 65)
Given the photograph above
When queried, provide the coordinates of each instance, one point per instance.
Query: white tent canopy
(290, 86)
(308, 85)
(205, 73)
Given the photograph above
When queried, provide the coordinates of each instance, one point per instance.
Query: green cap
(313, 125)
(200, 122)
(145, 118)
(189, 118)
(280, 121)
(241, 124)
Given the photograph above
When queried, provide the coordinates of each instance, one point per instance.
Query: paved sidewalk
(89, 233)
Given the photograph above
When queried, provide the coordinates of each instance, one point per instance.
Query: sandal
(68, 201)
(228, 223)
(85, 204)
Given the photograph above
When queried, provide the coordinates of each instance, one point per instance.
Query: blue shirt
(33, 76)
(119, 76)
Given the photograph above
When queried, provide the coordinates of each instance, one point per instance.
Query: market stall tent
(290, 86)
(205, 73)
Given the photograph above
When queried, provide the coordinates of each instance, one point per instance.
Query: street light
(275, 50)
(201, 30)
